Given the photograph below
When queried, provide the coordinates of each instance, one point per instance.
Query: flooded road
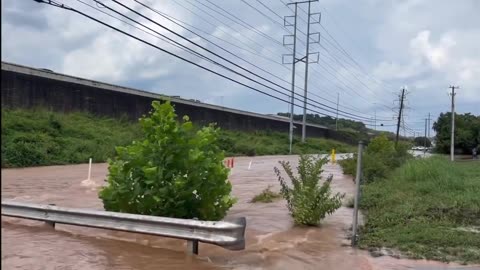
(271, 240)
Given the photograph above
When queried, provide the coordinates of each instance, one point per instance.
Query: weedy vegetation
(308, 199)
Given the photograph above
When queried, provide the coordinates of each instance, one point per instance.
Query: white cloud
(427, 45)
(436, 54)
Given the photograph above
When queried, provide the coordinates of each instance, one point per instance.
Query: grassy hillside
(428, 208)
(40, 137)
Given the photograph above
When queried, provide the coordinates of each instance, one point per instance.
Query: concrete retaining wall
(26, 87)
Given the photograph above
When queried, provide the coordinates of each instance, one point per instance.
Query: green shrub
(348, 165)
(308, 201)
(379, 158)
(175, 171)
(266, 196)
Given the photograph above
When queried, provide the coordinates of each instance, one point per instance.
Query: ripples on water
(272, 241)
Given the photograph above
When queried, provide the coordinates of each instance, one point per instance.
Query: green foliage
(274, 143)
(308, 201)
(379, 159)
(174, 171)
(38, 137)
(266, 196)
(427, 208)
(348, 164)
(467, 132)
(34, 137)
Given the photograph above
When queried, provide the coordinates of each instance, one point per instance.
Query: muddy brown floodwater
(272, 242)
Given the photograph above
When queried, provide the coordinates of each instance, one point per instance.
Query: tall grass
(426, 209)
(37, 137)
(276, 143)
(40, 137)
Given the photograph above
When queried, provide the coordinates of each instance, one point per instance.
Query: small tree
(307, 200)
(175, 171)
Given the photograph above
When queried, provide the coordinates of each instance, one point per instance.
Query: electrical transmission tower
(291, 40)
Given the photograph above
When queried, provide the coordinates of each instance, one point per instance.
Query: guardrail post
(358, 177)
(192, 247)
(51, 223)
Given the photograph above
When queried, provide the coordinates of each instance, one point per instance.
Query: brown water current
(272, 242)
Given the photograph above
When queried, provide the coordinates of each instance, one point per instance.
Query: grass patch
(38, 137)
(267, 196)
(423, 208)
(276, 143)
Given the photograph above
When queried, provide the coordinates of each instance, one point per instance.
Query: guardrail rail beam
(229, 234)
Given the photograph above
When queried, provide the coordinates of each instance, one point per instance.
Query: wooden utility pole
(425, 140)
(452, 139)
(402, 98)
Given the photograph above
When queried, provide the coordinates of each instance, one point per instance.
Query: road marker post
(89, 169)
(333, 156)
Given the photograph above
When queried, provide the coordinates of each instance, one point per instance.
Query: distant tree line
(467, 132)
(343, 124)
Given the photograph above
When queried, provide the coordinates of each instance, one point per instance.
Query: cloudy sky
(368, 51)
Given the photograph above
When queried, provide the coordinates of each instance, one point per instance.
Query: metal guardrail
(227, 234)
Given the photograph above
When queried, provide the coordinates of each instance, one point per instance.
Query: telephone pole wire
(452, 139)
(336, 118)
(402, 97)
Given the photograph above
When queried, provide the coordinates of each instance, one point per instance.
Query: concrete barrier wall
(25, 87)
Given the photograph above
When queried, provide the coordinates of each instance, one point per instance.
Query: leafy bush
(267, 196)
(308, 201)
(175, 171)
(348, 164)
(379, 159)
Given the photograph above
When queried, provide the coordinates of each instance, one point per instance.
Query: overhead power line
(336, 59)
(239, 21)
(237, 17)
(182, 24)
(341, 49)
(56, 4)
(223, 58)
